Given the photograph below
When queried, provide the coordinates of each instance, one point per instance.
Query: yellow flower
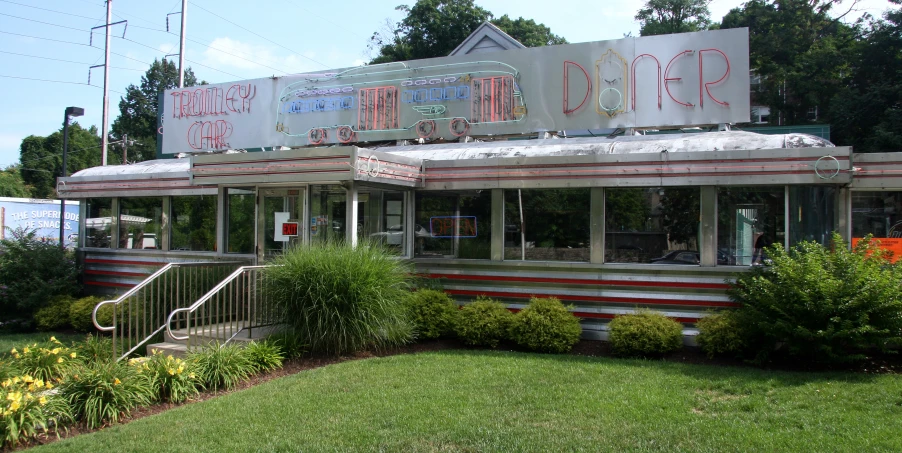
(42, 400)
(14, 406)
(13, 351)
(171, 371)
(27, 379)
(59, 360)
(55, 351)
(117, 381)
(73, 355)
(29, 397)
(49, 386)
(191, 375)
(25, 350)
(53, 339)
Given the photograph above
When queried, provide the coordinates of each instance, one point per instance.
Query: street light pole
(70, 111)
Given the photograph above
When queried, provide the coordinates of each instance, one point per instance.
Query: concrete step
(210, 334)
(174, 349)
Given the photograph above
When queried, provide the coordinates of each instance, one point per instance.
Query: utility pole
(106, 82)
(124, 149)
(182, 44)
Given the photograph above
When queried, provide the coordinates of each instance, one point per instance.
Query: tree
(12, 185)
(138, 110)
(662, 17)
(434, 28)
(41, 158)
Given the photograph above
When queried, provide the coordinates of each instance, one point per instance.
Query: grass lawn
(500, 401)
(17, 340)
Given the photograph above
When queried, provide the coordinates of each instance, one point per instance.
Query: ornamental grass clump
(103, 392)
(48, 361)
(644, 333)
(821, 304)
(546, 325)
(433, 313)
(29, 407)
(484, 322)
(173, 379)
(222, 366)
(340, 299)
(265, 355)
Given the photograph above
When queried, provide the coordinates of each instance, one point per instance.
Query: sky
(45, 54)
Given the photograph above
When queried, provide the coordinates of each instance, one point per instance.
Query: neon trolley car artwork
(433, 101)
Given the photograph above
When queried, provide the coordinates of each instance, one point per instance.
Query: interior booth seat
(604, 224)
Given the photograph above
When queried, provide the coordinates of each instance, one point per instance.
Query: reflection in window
(811, 214)
(140, 223)
(193, 223)
(327, 213)
(382, 217)
(457, 224)
(546, 224)
(748, 219)
(98, 222)
(240, 226)
(652, 225)
(877, 213)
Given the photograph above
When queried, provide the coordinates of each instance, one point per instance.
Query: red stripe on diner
(263, 172)
(115, 285)
(579, 281)
(118, 274)
(627, 300)
(258, 161)
(588, 315)
(137, 263)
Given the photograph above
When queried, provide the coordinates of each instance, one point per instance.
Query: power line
(41, 22)
(49, 10)
(259, 35)
(191, 61)
(74, 44)
(54, 81)
(65, 61)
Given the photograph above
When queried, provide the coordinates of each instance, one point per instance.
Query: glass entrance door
(282, 220)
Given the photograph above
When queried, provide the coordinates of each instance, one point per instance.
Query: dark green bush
(222, 366)
(546, 325)
(101, 392)
(342, 299)
(433, 313)
(484, 322)
(80, 314)
(55, 315)
(820, 304)
(720, 334)
(32, 272)
(644, 333)
(291, 344)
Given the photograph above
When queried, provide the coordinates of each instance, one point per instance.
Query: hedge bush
(81, 310)
(546, 325)
(721, 334)
(483, 322)
(644, 333)
(55, 315)
(32, 272)
(342, 299)
(433, 313)
(821, 304)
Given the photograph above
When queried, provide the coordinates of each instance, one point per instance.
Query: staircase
(209, 334)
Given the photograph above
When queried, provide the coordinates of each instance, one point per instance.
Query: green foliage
(48, 361)
(32, 272)
(720, 334)
(290, 342)
(644, 333)
(546, 325)
(819, 304)
(173, 379)
(102, 392)
(54, 316)
(27, 409)
(265, 355)
(342, 299)
(484, 322)
(94, 348)
(662, 17)
(222, 366)
(433, 313)
(42, 157)
(527, 31)
(12, 184)
(81, 310)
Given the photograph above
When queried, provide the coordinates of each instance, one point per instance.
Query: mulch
(878, 364)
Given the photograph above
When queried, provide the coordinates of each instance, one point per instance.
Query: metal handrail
(206, 298)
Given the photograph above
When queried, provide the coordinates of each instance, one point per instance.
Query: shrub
(54, 316)
(484, 322)
(433, 313)
(222, 366)
(265, 355)
(720, 334)
(644, 333)
(101, 392)
(32, 272)
(821, 304)
(94, 348)
(173, 379)
(81, 310)
(290, 342)
(341, 299)
(48, 361)
(27, 409)
(546, 325)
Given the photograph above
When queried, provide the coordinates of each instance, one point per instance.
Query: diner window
(546, 224)
(453, 224)
(811, 214)
(140, 223)
(98, 222)
(240, 226)
(652, 225)
(382, 214)
(193, 223)
(748, 220)
(877, 213)
(328, 213)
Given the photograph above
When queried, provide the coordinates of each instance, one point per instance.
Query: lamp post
(70, 111)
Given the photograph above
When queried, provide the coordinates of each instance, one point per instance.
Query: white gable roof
(486, 38)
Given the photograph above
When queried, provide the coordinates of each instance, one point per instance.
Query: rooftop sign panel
(673, 80)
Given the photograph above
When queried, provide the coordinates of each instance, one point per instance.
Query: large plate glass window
(748, 220)
(381, 213)
(328, 213)
(811, 214)
(98, 222)
(546, 224)
(652, 225)
(878, 214)
(140, 223)
(240, 226)
(453, 224)
(193, 223)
